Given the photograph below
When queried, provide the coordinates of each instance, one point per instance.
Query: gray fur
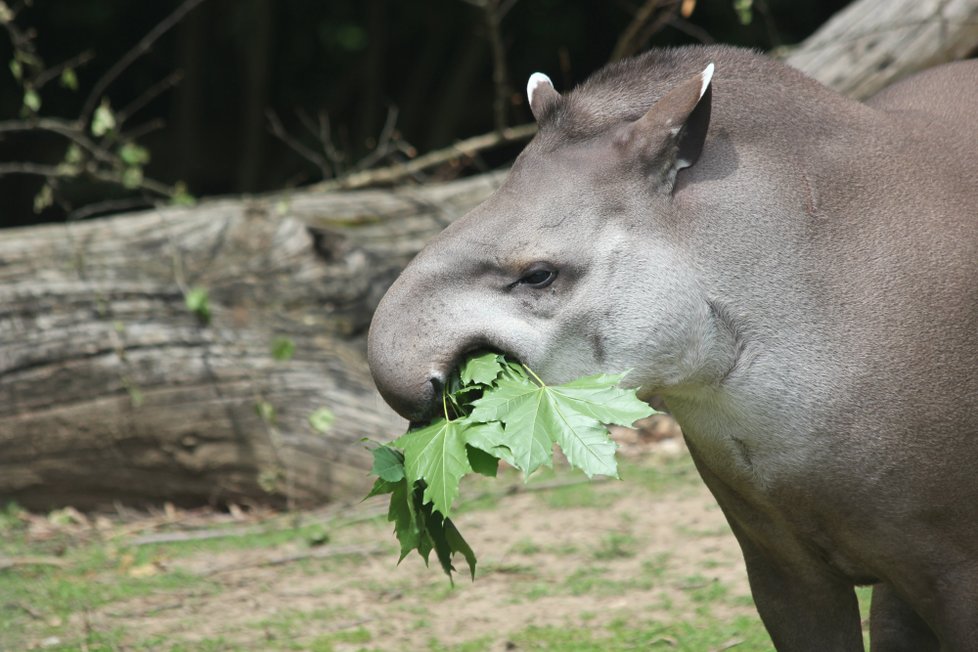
(804, 297)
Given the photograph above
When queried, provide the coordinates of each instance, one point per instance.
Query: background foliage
(351, 60)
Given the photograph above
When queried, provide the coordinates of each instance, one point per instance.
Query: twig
(148, 96)
(141, 48)
(60, 172)
(363, 514)
(462, 149)
(689, 29)
(63, 128)
(146, 128)
(384, 141)
(494, 17)
(23, 607)
(642, 27)
(14, 562)
(279, 131)
(334, 155)
(315, 553)
(772, 29)
(107, 206)
(55, 71)
(199, 535)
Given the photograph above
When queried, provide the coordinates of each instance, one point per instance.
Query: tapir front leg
(804, 606)
(803, 609)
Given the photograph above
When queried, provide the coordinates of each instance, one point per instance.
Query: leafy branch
(101, 144)
(493, 410)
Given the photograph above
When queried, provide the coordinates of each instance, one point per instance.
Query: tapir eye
(538, 277)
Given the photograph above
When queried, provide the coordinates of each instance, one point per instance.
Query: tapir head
(573, 266)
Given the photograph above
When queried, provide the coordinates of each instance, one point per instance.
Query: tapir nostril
(437, 382)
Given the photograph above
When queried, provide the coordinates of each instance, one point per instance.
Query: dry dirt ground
(652, 551)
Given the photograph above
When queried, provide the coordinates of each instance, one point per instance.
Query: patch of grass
(286, 625)
(656, 567)
(588, 580)
(279, 534)
(693, 635)
(616, 545)
(665, 475)
(525, 547)
(10, 521)
(700, 533)
(482, 644)
(585, 494)
(505, 569)
(219, 644)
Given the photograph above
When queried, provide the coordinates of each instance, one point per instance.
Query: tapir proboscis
(795, 273)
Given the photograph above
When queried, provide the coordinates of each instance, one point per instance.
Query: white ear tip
(706, 75)
(536, 79)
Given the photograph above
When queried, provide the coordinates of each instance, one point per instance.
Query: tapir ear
(541, 94)
(670, 136)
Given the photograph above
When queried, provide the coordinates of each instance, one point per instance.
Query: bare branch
(494, 17)
(52, 172)
(141, 48)
(148, 96)
(384, 142)
(63, 128)
(326, 138)
(14, 562)
(643, 25)
(692, 30)
(55, 71)
(108, 206)
(462, 150)
(279, 131)
(146, 128)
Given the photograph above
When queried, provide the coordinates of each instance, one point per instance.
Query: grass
(102, 592)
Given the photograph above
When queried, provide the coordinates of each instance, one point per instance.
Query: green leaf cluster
(495, 409)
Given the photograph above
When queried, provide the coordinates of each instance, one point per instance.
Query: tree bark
(111, 388)
(873, 43)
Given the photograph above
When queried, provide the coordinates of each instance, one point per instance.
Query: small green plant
(322, 420)
(283, 348)
(198, 302)
(494, 409)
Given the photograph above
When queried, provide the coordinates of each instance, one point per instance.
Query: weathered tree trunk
(872, 43)
(111, 388)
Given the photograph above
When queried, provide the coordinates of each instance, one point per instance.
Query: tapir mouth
(442, 382)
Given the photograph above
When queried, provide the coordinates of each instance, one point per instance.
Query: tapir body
(793, 272)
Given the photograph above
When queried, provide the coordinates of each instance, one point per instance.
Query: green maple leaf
(458, 544)
(484, 438)
(482, 461)
(600, 397)
(381, 487)
(481, 369)
(403, 513)
(446, 542)
(526, 442)
(535, 416)
(436, 454)
(501, 413)
(388, 464)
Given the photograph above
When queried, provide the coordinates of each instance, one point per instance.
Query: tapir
(793, 272)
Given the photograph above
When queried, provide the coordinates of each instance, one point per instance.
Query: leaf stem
(538, 379)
